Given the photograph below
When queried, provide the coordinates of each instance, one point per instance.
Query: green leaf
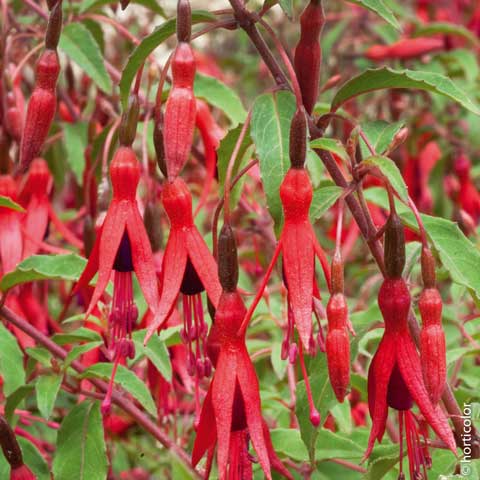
(127, 379)
(379, 467)
(78, 350)
(11, 362)
(380, 134)
(42, 267)
(7, 202)
(343, 417)
(148, 45)
(377, 79)
(332, 145)
(47, 387)
(334, 445)
(221, 96)
(279, 365)
(287, 441)
(379, 7)
(80, 317)
(89, 5)
(323, 199)
(81, 451)
(445, 28)
(391, 171)
(80, 46)
(287, 7)
(96, 30)
(270, 129)
(41, 355)
(75, 139)
(467, 61)
(81, 334)
(155, 351)
(457, 253)
(14, 399)
(224, 153)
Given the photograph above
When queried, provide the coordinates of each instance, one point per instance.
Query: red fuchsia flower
(11, 238)
(13, 118)
(405, 49)
(232, 403)
(122, 246)
(417, 173)
(395, 378)
(35, 198)
(188, 267)
(468, 196)
(299, 246)
(29, 302)
(41, 108)
(208, 65)
(22, 473)
(231, 412)
(395, 375)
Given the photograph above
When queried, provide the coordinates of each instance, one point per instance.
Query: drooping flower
(122, 243)
(468, 195)
(188, 267)
(299, 247)
(122, 247)
(11, 238)
(187, 263)
(231, 411)
(395, 374)
(405, 49)
(417, 172)
(34, 196)
(298, 243)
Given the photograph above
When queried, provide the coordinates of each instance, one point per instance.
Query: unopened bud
(428, 268)
(54, 27)
(331, 82)
(298, 139)
(227, 259)
(397, 140)
(184, 21)
(337, 273)
(52, 3)
(128, 126)
(394, 247)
